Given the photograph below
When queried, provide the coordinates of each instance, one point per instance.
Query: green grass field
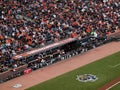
(105, 69)
(116, 87)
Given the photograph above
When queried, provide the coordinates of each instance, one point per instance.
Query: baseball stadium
(59, 45)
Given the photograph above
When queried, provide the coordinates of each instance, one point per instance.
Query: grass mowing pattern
(105, 69)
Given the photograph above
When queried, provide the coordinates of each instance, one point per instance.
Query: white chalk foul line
(113, 85)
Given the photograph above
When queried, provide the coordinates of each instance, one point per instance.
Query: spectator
(29, 24)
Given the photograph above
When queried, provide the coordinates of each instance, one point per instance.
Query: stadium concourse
(40, 25)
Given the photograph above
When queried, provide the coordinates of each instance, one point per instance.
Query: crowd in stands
(28, 24)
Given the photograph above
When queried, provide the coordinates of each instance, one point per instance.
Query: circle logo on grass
(86, 78)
